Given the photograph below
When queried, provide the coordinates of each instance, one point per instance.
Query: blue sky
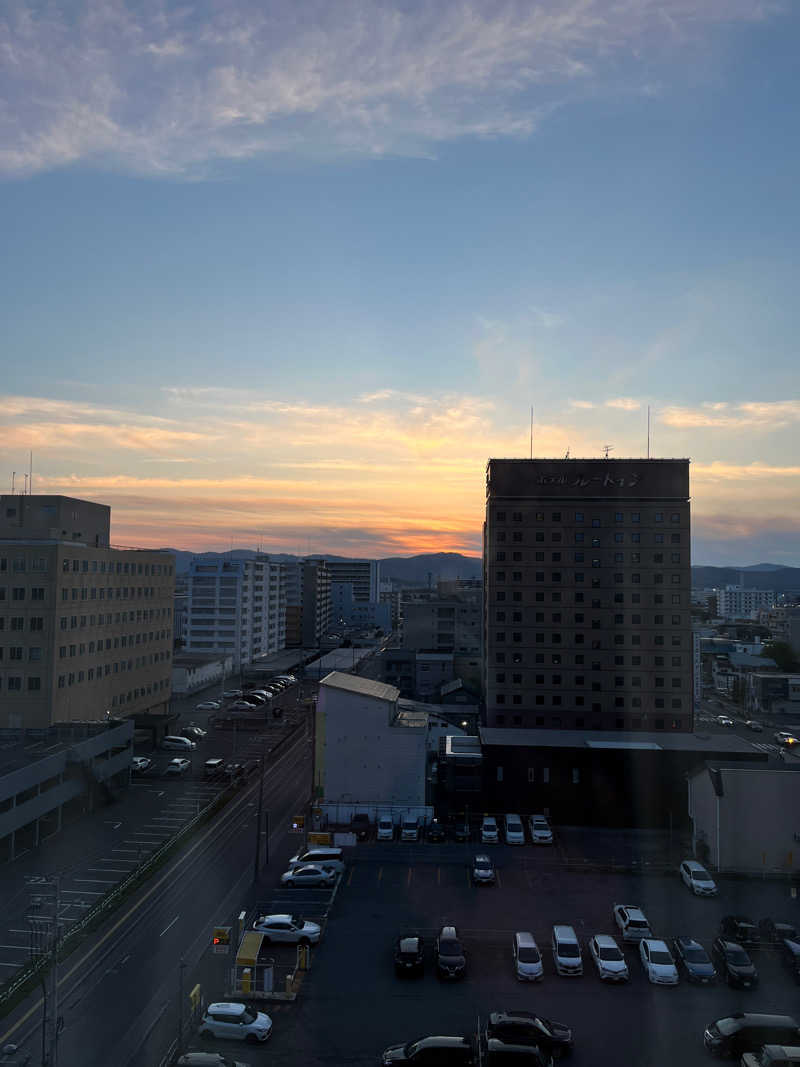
(292, 273)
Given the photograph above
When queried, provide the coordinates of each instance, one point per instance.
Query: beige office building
(587, 594)
(85, 629)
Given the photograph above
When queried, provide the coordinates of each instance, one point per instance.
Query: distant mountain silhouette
(760, 576)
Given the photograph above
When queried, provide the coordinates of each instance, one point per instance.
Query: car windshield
(738, 957)
(569, 950)
(660, 956)
(609, 954)
(529, 955)
(695, 955)
(701, 876)
(248, 1016)
(637, 924)
(449, 947)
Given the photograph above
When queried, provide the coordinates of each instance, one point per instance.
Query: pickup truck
(360, 825)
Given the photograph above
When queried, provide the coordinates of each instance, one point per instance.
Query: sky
(287, 274)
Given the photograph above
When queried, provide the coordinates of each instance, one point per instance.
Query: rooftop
(354, 683)
(621, 739)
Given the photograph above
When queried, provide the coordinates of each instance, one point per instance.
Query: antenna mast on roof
(13, 479)
(607, 449)
(648, 431)
(531, 431)
(30, 476)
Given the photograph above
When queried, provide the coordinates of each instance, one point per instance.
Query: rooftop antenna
(567, 455)
(607, 449)
(13, 479)
(648, 431)
(30, 476)
(25, 490)
(531, 431)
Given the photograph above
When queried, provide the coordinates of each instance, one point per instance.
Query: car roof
(408, 939)
(655, 942)
(688, 942)
(606, 940)
(227, 1006)
(564, 932)
(725, 944)
(277, 918)
(633, 911)
(482, 858)
(693, 865)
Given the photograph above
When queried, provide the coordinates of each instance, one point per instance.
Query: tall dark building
(586, 594)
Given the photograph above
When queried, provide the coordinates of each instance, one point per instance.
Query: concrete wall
(366, 760)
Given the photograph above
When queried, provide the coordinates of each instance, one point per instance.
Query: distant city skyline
(290, 274)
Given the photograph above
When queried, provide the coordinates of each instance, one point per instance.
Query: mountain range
(431, 567)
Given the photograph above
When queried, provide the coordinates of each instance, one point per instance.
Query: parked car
(781, 737)
(773, 933)
(308, 876)
(725, 720)
(566, 951)
(360, 825)
(461, 830)
(427, 1051)
(208, 705)
(176, 743)
(450, 959)
(490, 835)
(528, 965)
(541, 832)
(741, 929)
(194, 733)
(608, 958)
(514, 832)
(208, 1059)
(697, 878)
(482, 869)
(244, 705)
(657, 961)
(140, 765)
(235, 1021)
(525, 1028)
(292, 929)
(385, 828)
(409, 828)
(790, 958)
(733, 964)
(694, 960)
(409, 954)
(180, 765)
(331, 857)
(435, 831)
(631, 922)
(255, 698)
(748, 1032)
(229, 694)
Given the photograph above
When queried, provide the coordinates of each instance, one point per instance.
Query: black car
(435, 831)
(461, 831)
(740, 929)
(733, 964)
(360, 825)
(433, 1050)
(194, 733)
(772, 932)
(790, 957)
(693, 958)
(450, 959)
(525, 1028)
(748, 1032)
(409, 954)
(505, 1053)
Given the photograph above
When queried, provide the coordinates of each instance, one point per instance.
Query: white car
(515, 834)
(659, 966)
(140, 764)
(725, 720)
(208, 705)
(631, 922)
(178, 766)
(244, 705)
(291, 928)
(490, 835)
(384, 829)
(541, 834)
(181, 744)
(313, 876)
(235, 1021)
(229, 694)
(608, 958)
(697, 878)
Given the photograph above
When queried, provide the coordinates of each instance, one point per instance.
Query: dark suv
(742, 930)
(461, 830)
(748, 1031)
(525, 1028)
(409, 954)
(450, 959)
(773, 933)
(430, 1051)
(733, 964)
(435, 831)
(360, 825)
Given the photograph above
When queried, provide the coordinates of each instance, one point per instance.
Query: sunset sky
(288, 274)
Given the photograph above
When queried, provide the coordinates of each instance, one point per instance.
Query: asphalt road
(351, 1005)
(122, 985)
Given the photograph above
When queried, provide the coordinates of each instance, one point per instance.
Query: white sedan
(178, 766)
(659, 966)
(725, 720)
(697, 878)
(309, 875)
(208, 705)
(229, 694)
(608, 958)
(141, 764)
(291, 928)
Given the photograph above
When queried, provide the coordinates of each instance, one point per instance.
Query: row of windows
(596, 542)
(580, 557)
(95, 674)
(111, 592)
(579, 679)
(556, 659)
(579, 516)
(15, 683)
(500, 636)
(619, 577)
(16, 623)
(579, 597)
(125, 641)
(555, 701)
(74, 622)
(579, 618)
(19, 593)
(635, 723)
(93, 566)
(18, 565)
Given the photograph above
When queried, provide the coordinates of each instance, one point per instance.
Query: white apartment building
(736, 602)
(237, 607)
(364, 574)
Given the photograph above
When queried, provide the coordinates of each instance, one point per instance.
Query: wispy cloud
(167, 88)
(759, 415)
(623, 403)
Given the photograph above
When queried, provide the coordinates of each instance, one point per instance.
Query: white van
(385, 828)
(409, 828)
(489, 832)
(527, 958)
(178, 744)
(566, 951)
(327, 856)
(515, 834)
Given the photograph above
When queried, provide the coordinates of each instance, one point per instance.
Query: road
(120, 989)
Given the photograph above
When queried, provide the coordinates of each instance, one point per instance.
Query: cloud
(623, 403)
(582, 405)
(758, 415)
(164, 88)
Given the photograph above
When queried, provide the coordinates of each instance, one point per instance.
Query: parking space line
(499, 880)
(98, 881)
(106, 870)
(170, 926)
(17, 948)
(408, 879)
(16, 966)
(83, 892)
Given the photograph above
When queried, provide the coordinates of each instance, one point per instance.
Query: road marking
(16, 948)
(16, 966)
(408, 879)
(170, 926)
(99, 881)
(83, 892)
(106, 870)
(498, 879)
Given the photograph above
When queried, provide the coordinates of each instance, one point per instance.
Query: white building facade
(736, 602)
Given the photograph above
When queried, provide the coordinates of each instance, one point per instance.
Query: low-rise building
(192, 671)
(773, 694)
(738, 602)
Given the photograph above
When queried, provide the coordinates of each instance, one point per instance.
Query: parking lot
(352, 1006)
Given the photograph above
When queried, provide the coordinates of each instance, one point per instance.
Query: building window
(500, 516)
(675, 517)
(500, 557)
(546, 775)
(578, 516)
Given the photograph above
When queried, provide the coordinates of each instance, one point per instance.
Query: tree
(782, 653)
